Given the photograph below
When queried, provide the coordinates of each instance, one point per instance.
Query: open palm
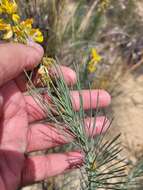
(19, 131)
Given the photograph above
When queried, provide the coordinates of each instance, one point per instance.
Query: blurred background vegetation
(71, 28)
(114, 28)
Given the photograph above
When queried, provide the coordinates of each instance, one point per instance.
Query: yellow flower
(20, 31)
(27, 23)
(91, 67)
(25, 30)
(3, 25)
(36, 35)
(8, 35)
(95, 59)
(15, 18)
(7, 28)
(7, 6)
(43, 71)
(43, 75)
(95, 56)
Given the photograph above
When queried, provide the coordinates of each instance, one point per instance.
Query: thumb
(14, 58)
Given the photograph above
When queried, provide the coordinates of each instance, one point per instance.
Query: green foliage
(135, 176)
(101, 167)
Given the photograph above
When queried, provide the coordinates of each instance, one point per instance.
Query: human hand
(19, 131)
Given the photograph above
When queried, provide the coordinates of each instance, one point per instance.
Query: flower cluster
(95, 59)
(13, 28)
(8, 7)
(43, 76)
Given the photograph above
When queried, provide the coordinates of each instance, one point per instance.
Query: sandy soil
(128, 111)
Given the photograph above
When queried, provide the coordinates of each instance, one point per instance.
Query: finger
(91, 99)
(41, 167)
(14, 58)
(62, 71)
(44, 136)
(67, 73)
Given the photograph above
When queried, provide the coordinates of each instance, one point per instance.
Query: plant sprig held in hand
(101, 166)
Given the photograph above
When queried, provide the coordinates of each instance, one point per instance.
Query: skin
(20, 131)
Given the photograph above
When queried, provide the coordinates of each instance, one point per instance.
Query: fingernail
(103, 98)
(36, 46)
(106, 98)
(75, 159)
